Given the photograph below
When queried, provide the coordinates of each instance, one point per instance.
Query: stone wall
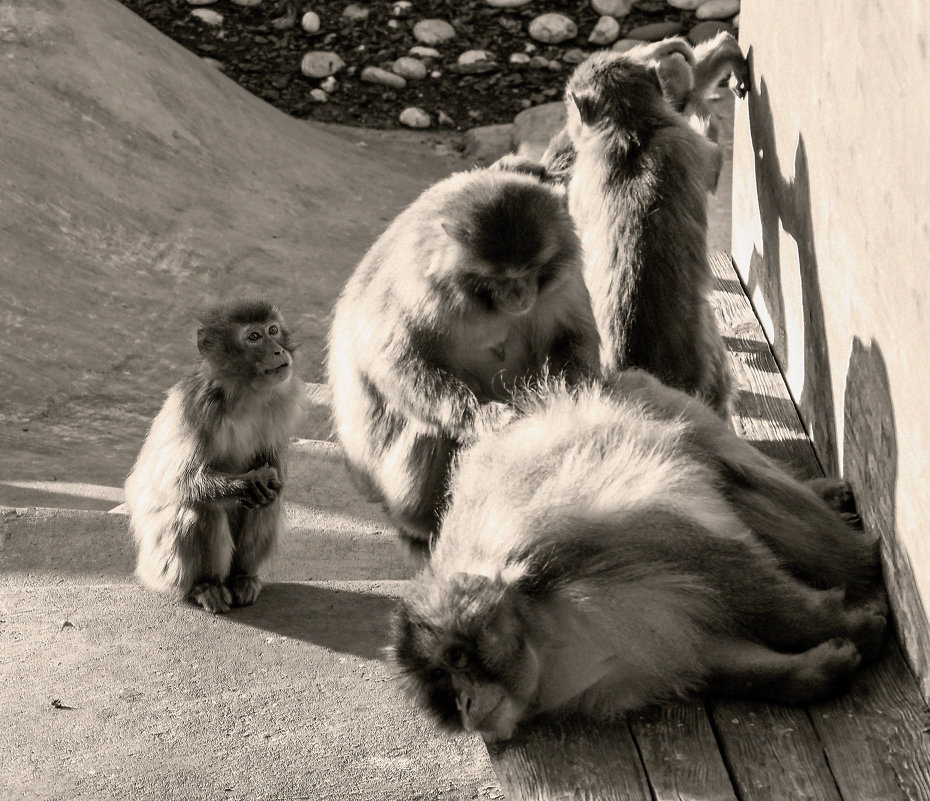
(831, 233)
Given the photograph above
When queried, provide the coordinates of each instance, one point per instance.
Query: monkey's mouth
(279, 370)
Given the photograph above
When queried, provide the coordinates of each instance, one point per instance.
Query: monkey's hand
(491, 417)
(260, 487)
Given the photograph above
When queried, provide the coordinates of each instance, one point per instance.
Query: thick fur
(687, 76)
(204, 496)
(600, 554)
(639, 198)
(418, 343)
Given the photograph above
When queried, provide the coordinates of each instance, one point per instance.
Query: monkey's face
(513, 294)
(264, 347)
(460, 643)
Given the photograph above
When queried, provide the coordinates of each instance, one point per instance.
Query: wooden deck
(872, 744)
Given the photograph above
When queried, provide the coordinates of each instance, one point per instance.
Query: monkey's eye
(273, 330)
(435, 675)
(254, 336)
(458, 658)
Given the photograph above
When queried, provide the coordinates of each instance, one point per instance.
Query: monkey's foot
(826, 671)
(244, 589)
(869, 633)
(837, 493)
(215, 598)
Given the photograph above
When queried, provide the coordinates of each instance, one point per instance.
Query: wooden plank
(876, 737)
(571, 761)
(773, 752)
(680, 754)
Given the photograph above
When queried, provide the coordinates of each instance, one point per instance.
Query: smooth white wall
(831, 232)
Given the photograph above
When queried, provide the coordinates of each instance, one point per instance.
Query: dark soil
(266, 61)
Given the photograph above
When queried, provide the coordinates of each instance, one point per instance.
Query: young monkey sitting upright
(204, 496)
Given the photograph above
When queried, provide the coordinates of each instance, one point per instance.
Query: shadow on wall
(785, 204)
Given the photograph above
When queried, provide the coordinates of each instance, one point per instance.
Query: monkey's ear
(202, 341)
(585, 105)
(453, 230)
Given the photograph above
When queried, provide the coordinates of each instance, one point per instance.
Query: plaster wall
(831, 234)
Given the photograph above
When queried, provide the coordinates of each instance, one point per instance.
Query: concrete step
(112, 692)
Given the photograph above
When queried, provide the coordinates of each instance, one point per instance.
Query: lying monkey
(610, 548)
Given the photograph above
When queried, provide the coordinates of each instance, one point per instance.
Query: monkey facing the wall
(612, 548)
(474, 288)
(204, 496)
(686, 77)
(639, 198)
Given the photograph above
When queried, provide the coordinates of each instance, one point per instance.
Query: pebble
(613, 8)
(436, 74)
(356, 12)
(686, 5)
(318, 96)
(433, 31)
(519, 59)
(310, 22)
(409, 68)
(707, 30)
(402, 8)
(553, 28)
(208, 16)
(329, 85)
(717, 9)
(419, 51)
(655, 31)
(626, 44)
(383, 77)
(320, 64)
(605, 32)
(574, 55)
(473, 61)
(247, 3)
(414, 117)
(539, 63)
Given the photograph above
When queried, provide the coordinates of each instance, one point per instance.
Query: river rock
(409, 68)
(613, 8)
(606, 32)
(553, 28)
(329, 85)
(356, 12)
(488, 143)
(433, 31)
(419, 51)
(574, 55)
(383, 77)
(200, 2)
(320, 64)
(318, 96)
(208, 16)
(626, 44)
(655, 31)
(402, 8)
(533, 128)
(707, 30)
(717, 9)
(246, 3)
(414, 117)
(686, 5)
(519, 59)
(475, 61)
(310, 22)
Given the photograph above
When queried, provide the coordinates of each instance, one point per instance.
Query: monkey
(473, 288)
(638, 197)
(686, 78)
(205, 493)
(614, 546)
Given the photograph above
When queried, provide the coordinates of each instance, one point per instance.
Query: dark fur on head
(217, 332)
(470, 625)
(509, 224)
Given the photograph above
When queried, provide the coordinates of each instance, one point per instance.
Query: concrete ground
(136, 184)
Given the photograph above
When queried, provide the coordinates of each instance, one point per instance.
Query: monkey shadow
(350, 622)
(785, 205)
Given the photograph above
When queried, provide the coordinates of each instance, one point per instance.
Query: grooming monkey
(612, 548)
(638, 195)
(472, 289)
(204, 495)
(686, 76)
